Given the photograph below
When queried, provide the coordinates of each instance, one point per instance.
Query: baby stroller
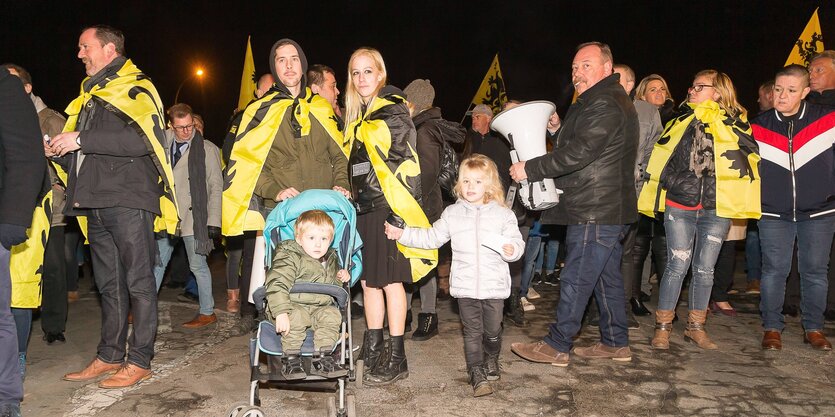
(279, 226)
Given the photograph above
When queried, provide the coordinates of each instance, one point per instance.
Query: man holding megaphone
(593, 163)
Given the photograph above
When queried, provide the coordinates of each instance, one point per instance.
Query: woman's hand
(392, 232)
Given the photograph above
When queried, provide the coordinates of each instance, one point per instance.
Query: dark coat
(22, 161)
(429, 146)
(493, 146)
(680, 181)
(593, 161)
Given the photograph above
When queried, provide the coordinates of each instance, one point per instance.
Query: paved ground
(203, 372)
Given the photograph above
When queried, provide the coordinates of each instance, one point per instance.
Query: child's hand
(507, 248)
(342, 275)
(392, 232)
(282, 323)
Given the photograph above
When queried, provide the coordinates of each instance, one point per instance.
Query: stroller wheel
(251, 412)
(235, 409)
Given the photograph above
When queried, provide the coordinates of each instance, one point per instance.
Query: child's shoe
(492, 367)
(292, 368)
(327, 366)
(478, 379)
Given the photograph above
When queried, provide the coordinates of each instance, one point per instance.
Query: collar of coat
(256, 132)
(131, 96)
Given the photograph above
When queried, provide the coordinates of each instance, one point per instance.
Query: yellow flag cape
(255, 136)
(375, 135)
(26, 261)
(737, 169)
(133, 97)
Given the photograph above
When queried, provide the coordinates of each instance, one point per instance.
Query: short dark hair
(179, 110)
(108, 34)
(794, 70)
(604, 50)
(625, 69)
(316, 74)
(24, 75)
(768, 85)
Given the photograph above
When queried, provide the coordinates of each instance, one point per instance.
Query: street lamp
(198, 73)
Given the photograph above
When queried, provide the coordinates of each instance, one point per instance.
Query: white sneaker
(526, 305)
(532, 294)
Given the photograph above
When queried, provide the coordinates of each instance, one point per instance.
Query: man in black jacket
(22, 169)
(114, 169)
(593, 161)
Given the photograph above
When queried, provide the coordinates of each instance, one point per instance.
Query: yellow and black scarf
(373, 131)
(256, 132)
(737, 168)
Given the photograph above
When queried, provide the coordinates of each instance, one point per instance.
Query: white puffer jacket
(477, 271)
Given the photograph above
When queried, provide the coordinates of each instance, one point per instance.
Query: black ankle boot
(492, 348)
(478, 379)
(372, 349)
(515, 312)
(427, 327)
(638, 307)
(394, 368)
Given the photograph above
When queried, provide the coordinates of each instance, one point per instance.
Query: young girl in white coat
(485, 237)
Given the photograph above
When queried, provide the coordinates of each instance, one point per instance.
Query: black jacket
(680, 181)
(429, 146)
(593, 161)
(117, 169)
(22, 161)
(825, 98)
(493, 146)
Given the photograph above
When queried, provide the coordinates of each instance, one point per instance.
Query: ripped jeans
(697, 236)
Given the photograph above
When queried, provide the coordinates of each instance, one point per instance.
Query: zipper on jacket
(791, 168)
(477, 252)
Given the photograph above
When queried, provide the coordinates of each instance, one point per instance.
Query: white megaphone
(525, 127)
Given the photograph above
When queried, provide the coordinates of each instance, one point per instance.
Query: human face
(822, 75)
(625, 82)
(765, 98)
(473, 185)
(328, 88)
(656, 93)
(93, 54)
(365, 76)
(588, 68)
(789, 91)
(315, 241)
(288, 66)
(707, 91)
(264, 85)
(183, 127)
(481, 123)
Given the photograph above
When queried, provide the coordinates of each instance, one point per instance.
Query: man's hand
(507, 248)
(11, 234)
(517, 172)
(282, 323)
(286, 193)
(343, 191)
(47, 148)
(64, 143)
(393, 233)
(554, 123)
(343, 276)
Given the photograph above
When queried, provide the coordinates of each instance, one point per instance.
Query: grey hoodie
(302, 57)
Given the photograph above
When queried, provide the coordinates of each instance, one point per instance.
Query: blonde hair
(311, 219)
(727, 93)
(353, 101)
(478, 162)
(641, 89)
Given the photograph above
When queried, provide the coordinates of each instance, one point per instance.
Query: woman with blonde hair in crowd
(654, 90)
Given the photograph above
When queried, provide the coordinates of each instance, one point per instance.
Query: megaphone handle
(515, 158)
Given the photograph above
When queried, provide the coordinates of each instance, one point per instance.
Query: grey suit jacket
(214, 185)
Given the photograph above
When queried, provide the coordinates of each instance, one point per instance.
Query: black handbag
(448, 173)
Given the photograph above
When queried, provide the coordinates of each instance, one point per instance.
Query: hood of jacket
(302, 57)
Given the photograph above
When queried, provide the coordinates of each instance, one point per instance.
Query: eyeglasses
(185, 128)
(699, 87)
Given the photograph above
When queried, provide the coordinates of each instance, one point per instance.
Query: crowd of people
(640, 174)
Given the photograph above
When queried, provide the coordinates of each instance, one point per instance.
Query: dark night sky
(451, 43)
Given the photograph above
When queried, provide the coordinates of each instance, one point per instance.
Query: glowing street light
(198, 73)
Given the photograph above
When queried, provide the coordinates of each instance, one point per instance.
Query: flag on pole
(492, 89)
(247, 78)
(808, 44)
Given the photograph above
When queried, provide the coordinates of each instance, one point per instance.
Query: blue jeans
(592, 265)
(11, 385)
(693, 236)
(533, 262)
(552, 248)
(814, 242)
(198, 265)
(753, 253)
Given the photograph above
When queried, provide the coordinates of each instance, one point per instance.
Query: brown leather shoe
(95, 369)
(540, 352)
(817, 340)
(128, 376)
(772, 341)
(200, 321)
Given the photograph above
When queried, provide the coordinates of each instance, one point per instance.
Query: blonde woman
(654, 90)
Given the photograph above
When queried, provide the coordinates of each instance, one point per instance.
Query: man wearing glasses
(199, 185)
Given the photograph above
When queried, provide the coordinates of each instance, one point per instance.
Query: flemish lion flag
(247, 78)
(809, 43)
(492, 89)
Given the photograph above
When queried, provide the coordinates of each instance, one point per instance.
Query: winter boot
(695, 331)
(233, 300)
(393, 369)
(291, 368)
(663, 327)
(478, 379)
(492, 348)
(515, 312)
(427, 327)
(327, 366)
(372, 349)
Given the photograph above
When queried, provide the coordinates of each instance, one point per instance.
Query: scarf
(199, 194)
(701, 154)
